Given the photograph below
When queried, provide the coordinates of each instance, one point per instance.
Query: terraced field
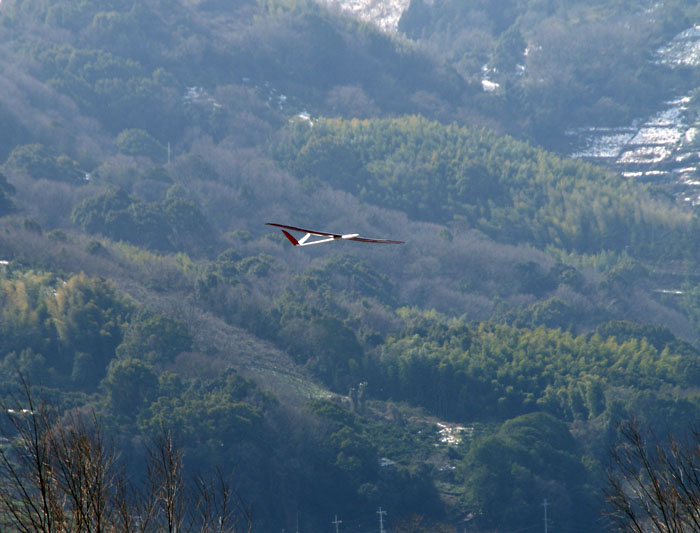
(663, 149)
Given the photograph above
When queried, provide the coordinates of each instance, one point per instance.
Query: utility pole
(545, 504)
(381, 520)
(336, 522)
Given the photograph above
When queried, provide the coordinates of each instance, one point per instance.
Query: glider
(324, 236)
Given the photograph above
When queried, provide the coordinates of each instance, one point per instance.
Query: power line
(381, 520)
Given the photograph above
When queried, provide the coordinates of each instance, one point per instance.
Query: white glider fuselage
(304, 241)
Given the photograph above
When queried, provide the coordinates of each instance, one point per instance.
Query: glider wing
(380, 241)
(312, 232)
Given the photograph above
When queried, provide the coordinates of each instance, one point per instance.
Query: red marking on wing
(291, 238)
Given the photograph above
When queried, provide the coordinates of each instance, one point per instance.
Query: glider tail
(291, 238)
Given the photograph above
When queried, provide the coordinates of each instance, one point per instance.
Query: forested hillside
(558, 64)
(456, 381)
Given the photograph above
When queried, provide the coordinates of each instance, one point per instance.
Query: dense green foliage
(511, 191)
(6, 190)
(468, 373)
(38, 161)
(175, 223)
(507, 474)
(459, 379)
(67, 331)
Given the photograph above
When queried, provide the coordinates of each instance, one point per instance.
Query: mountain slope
(536, 303)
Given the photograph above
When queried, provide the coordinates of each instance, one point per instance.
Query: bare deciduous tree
(28, 493)
(654, 485)
(220, 508)
(165, 476)
(86, 473)
(62, 475)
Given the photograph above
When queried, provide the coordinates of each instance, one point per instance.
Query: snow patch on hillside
(683, 50)
(664, 148)
(384, 13)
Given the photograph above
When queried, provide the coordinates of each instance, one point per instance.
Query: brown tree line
(63, 474)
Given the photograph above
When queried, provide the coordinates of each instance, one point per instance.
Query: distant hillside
(557, 64)
(456, 380)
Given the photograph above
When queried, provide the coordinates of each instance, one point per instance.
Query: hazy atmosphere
(527, 358)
